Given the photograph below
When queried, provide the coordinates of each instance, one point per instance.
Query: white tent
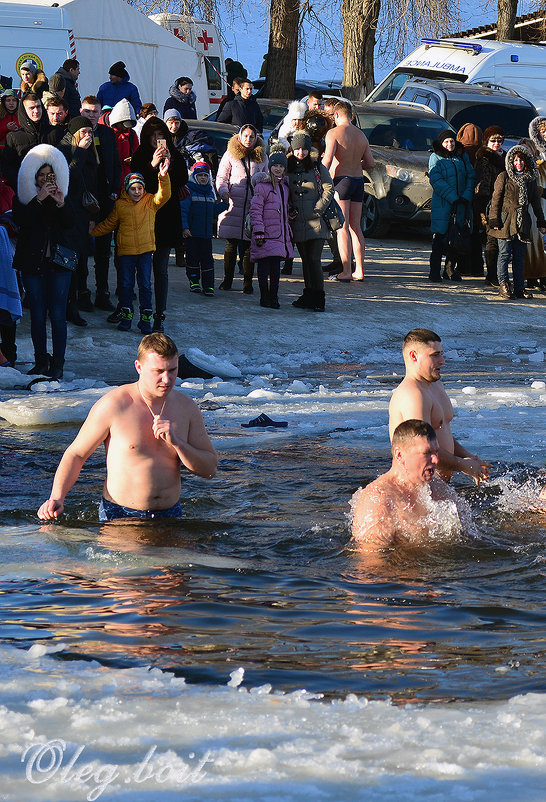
(107, 31)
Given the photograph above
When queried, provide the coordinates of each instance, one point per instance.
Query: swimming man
(148, 432)
(393, 510)
(421, 396)
(347, 152)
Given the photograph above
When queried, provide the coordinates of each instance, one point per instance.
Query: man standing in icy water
(421, 396)
(148, 432)
(400, 507)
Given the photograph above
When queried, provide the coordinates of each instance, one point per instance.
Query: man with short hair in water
(396, 509)
(148, 432)
(421, 396)
(347, 152)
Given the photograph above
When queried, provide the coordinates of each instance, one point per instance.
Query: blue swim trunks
(109, 511)
(349, 187)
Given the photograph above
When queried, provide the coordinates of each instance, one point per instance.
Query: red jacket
(4, 130)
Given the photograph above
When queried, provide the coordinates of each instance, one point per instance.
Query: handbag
(458, 235)
(332, 215)
(65, 258)
(90, 204)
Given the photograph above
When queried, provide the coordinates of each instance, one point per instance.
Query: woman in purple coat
(271, 236)
(245, 156)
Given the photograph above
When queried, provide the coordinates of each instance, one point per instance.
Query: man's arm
(373, 523)
(329, 150)
(93, 432)
(196, 453)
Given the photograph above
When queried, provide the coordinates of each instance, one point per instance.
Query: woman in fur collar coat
(452, 178)
(43, 217)
(509, 218)
(245, 156)
(490, 163)
(535, 258)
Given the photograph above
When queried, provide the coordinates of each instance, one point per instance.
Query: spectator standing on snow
(243, 109)
(119, 87)
(70, 72)
(182, 98)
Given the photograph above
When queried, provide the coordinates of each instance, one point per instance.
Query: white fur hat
(296, 110)
(36, 158)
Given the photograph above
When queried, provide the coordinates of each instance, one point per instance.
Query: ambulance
(515, 65)
(204, 37)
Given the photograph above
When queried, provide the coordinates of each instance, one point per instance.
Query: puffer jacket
(234, 180)
(136, 220)
(184, 104)
(508, 217)
(452, 178)
(109, 94)
(489, 165)
(306, 199)
(8, 119)
(269, 218)
(198, 209)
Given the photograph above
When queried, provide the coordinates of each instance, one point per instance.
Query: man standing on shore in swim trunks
(346, 154)
(148, 432)
(421, 396)
(396, 509)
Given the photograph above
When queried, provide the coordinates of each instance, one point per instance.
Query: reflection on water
(262, 573)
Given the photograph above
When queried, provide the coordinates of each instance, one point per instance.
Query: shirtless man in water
(148, 432)
(421, 396)
(346, 154)
(393, 510)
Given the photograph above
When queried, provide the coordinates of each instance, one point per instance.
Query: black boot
(305, 301)
(265, 297)
(158, 322)
(102, 301)
(287, 269)
(73, 316)
(491, 279)
(41, 366)
(115, 317)
(84, 301)
(56, 368)
(318, 300)
(247, 277)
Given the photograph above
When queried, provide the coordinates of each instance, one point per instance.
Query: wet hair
(409, 429)
(184, 80)
(343, 107)
(70, 64)
(157, 343)
(421, 336)
(92, 100)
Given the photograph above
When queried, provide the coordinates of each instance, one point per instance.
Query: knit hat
(200, 167)
(277, 156)
(296, 110)
(9, 93)
(301, 140)
(171, 114)
(57, 83)
(134, 178)
(118, 69)
(493, 130)
(447, 133)
(78, 122)
(29, 65)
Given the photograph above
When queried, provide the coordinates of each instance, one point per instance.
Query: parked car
(273, 112)
(397, 188)
(303, 88)
(483, 104)
(221, 133)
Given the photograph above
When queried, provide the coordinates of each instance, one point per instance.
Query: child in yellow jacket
(135, 213)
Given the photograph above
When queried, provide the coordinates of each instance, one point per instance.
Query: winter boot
(84, 301)
(41, 366)
(265, 298)
(158, 322)
(115, 317)
(491, 279)
(56, 368)
(145, 322)
(208, 291)
(102, 301)
(318, 300)
(126, 319)
(247, 279)
(73, 315)
(228, 277)
(305, 301)
(287, 269)
(523, 294)
(505, 292)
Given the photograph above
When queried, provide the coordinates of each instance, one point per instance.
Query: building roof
(529, 28)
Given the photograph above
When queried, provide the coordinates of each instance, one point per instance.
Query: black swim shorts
(349, 188)
(109, 511)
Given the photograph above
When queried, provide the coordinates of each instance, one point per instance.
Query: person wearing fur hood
(294, 120)
(490, 163)
(245, 156)
(44, 219)
(452, 179)
(33, 79)
(271, 236)
(535, 258)
(509, 218)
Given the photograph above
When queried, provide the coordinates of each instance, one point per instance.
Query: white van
(204, 37)
(515, 65)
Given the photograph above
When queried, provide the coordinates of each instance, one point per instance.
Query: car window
(514, 120)
(214, 69)
(272, 115)
(390, 89)
(402, 132)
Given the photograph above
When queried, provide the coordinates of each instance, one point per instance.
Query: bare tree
(360, 18)
(282, 54)
(506, 23)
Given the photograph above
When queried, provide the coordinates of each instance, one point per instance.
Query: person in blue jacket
(119, 87)
(452, 178)
(198, 211)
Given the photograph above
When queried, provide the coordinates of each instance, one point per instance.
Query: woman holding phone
(156, 144)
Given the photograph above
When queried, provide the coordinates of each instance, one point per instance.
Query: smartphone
(161, 143)
(51, 179)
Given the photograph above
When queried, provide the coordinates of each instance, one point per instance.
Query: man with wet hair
(421, 395)
(148, 432)
(396, 509)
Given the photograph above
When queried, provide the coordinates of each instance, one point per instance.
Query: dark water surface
(262, 574)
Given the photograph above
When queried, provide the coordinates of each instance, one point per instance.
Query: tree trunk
(359, 27)
(282, 55)
(506, 23)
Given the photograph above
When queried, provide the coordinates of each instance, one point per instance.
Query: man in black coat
(70, 72)
(243, 109)
(35, 129)
(109, 179)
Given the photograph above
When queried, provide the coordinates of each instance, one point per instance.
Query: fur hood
(447, 154)
(527, 156)
(187, 100)
(534, 135)
(36, 158)
(237, 151)
(494, 158)
(39, 85)
(123, 110)
(265, 178)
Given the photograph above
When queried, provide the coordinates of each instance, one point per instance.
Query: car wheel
(373, 225)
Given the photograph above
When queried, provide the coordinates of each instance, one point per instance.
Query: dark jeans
(515, 249)
(236, 247)
(47, 294)
(102, 262)
(269, 269)
(8, 331)
(491, 254)
(142, 265)
(161, 277)
(200, 261)
(311, 252)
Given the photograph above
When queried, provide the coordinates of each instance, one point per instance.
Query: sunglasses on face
(499, 139)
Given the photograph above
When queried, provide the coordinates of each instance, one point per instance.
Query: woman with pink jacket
(245, 156)
(271, 240)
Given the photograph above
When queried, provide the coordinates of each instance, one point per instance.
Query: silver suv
(482, 104)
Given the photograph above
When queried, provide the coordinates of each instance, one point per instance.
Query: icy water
(427, 665)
